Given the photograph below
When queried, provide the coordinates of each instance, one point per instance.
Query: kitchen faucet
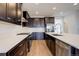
(56, 27)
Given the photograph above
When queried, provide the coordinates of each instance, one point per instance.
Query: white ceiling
(45, 9)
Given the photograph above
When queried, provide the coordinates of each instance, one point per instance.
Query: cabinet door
(19, 50)
(76, 52)
(49, 24)
(26, 48)
(58, 50)
(48, 43)
(11, 10)
(52, 46)
(38, 22)
(3, 11)
(49, 20)
(62, 49)
(23, 49)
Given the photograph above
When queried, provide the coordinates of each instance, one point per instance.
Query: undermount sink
(57, 34)
(23, 33)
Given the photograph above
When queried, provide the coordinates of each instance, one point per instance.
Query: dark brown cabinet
(62, 49)
(74, 51)
(3, 11)
(49, 24)
(51, 44)
(52, 47)
(13, 12)
(10, 12)
(48, 43)
(20, 49)
(36, 22)
(59, 48)
(49, 20)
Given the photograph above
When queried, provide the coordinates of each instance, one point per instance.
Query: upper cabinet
(2, 10)
(49, 24)
(36, 22)
(10, 12)
(19, 10)
(49, 20)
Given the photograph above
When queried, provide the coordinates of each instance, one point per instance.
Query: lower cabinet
(62, 49)
(52, 47)
(48, 43)
(57, 47)
(51, 44)
(75, 51)
(19, 50)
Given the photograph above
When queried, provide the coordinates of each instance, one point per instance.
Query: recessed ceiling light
(36, 12)
(54, 8)
(75, 4)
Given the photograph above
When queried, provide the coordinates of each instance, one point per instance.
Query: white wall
(77, 16)
(71, 23)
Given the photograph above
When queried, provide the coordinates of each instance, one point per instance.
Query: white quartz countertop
(9, 37)
(8, 42)
(71, 39)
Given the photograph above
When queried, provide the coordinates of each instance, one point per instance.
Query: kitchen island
(9, 37)
(66, 43)
(71, 39)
